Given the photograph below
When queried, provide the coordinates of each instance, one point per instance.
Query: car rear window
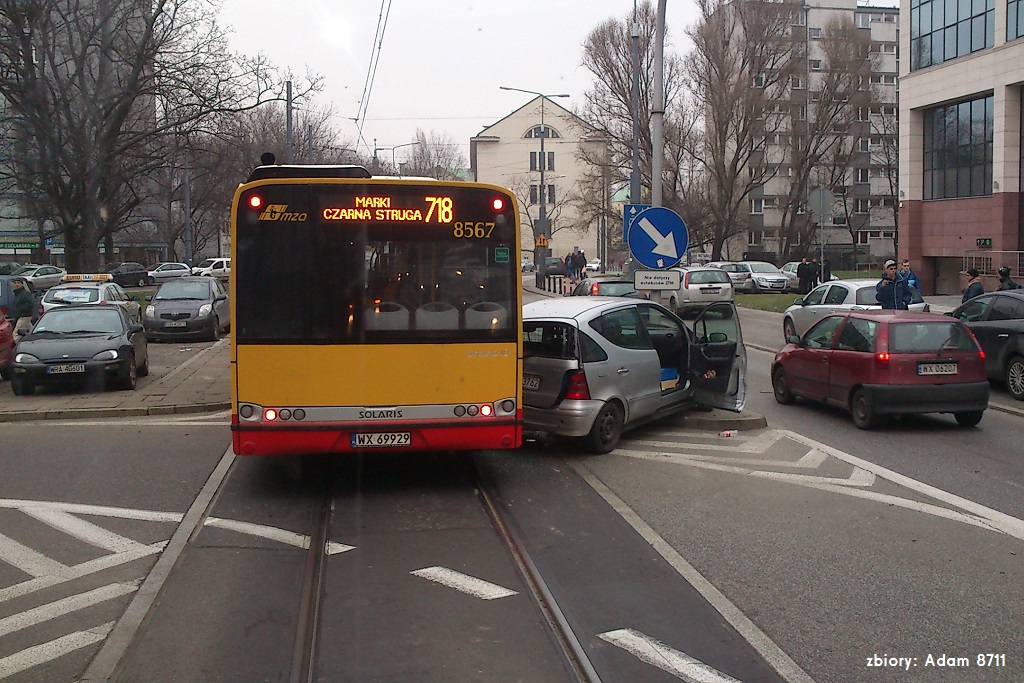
(549, 340)
(704, 277)
(615, 288)
(74, 295)
(930, 337)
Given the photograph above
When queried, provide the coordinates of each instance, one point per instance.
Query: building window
(838, 220)
(815, 64)
(862, 206)
(533, 194)
(551, 161)
(862, 145)
(754, 238)
(796, 82)
(544, 131)
(863, 175)
(815, 33)
(533, 161)
(958, 149)
(757, 206)
(941, 30)
(1014, 19)
(551, 194)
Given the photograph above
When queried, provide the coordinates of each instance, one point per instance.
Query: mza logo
(280, 212)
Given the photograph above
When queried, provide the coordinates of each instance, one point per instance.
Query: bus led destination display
(379, 208)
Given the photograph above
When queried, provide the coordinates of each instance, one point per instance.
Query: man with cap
(21, 308)
(891, 291)
(974, 286)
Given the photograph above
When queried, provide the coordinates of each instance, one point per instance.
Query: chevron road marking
(655, 653)
(38, 615)
(813, 459)
(47, 652)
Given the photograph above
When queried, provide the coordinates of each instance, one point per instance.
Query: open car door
(718, 359)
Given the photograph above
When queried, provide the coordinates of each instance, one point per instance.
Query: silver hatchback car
(832, 297)
(596, 366)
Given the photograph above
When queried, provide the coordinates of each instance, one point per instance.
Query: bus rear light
(577, 389)
(255, 201)
(269, 414)
(498, 204)
(486, 410)
(473, 411)
(285, 414)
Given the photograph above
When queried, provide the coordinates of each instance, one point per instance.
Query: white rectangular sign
(656, 279)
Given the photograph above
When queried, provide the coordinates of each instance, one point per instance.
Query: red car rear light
(686, 281)
(577, 388)
(594, 289)
(882, 357)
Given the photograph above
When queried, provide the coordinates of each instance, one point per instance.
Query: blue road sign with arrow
(658, 237)
(629, 213)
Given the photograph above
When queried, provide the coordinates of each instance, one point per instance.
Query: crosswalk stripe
(27, 560)
(47, 652)
(59, 608)
(92, 534)
(464, 583)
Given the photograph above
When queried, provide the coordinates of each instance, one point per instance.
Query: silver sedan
(838, 295)
(162, 272)
(42, 277)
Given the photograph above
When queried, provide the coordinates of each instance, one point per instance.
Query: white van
(219, 268)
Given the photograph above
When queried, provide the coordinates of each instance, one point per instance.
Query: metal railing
(988, 262)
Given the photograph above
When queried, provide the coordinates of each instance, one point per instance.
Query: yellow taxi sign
(88, 277)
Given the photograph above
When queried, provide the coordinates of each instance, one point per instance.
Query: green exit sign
(984, 241)
(501, 255)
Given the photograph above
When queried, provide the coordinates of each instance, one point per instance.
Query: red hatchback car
(876, 363)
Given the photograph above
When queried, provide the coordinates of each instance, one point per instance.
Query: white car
(219, 268)
(162, 272)
(754, 276)
(832, 297)
(41, 277)
(97, 289)
(594, 265)
(698, 287)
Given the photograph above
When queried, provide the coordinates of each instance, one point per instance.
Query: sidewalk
(200, 384)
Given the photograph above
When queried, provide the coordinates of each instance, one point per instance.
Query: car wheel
(215, 332)
(968, 419)
(142, 281)
(1015, 377)
(607, 430)
(788, 329)
(862, 409)
(22, 388)
(143, 370)
(780, 386)
(132, 378)
(5, 372)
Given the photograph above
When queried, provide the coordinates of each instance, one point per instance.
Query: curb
(87, 413)
(713, 423)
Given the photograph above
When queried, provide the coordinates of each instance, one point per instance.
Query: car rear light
(686, 281)
(577, 388)
(882, 357)
(593, 289)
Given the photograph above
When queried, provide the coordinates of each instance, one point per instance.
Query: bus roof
(297, 171)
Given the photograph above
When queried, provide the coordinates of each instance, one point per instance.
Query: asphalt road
(801, 552)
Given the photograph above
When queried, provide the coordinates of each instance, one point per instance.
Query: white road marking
(810, 460)
(78, 571)
(47, 652)
(463, 582)
(38, 615)
(757, 638)
(84, 530)
(281, 535)
(27, 560)
(655, 653)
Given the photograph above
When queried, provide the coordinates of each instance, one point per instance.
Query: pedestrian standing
(891, 291)
(801, 275)
(909, 275)
(815, 272)
(1005, 282)
(974, 287)
(826, 271)
(21, 308)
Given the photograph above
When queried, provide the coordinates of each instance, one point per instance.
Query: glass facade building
(958, 149)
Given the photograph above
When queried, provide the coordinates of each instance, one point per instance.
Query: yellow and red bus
(373, 313)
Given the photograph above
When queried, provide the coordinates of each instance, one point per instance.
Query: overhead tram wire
(371, 70)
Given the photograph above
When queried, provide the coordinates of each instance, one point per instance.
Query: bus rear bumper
(327, 438)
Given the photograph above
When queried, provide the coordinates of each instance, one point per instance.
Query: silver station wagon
(595, 366)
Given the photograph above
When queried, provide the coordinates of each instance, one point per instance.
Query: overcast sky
(441, 61)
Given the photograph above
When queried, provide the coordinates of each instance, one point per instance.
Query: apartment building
(961, 135)
(855, 211)
(509, 153)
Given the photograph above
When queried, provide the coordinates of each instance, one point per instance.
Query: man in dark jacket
(974, 287)
(814, 272)
(891, 291)
(21, 308)
(1005, 282)
(826, 271)
(802, 276)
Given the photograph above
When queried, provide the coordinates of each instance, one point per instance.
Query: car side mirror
(799, 301)
(135, 328)
(718, 337)
(220, 298)
(149, 297)
(135, 297)
(949, 313)
(792, 339)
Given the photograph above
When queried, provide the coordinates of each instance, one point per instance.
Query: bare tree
(98, 91)
(834, 96)
(885, 156)
(436, 156)
(743, 60)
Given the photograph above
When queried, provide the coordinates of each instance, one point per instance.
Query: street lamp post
(394, 162)
(540, 253)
